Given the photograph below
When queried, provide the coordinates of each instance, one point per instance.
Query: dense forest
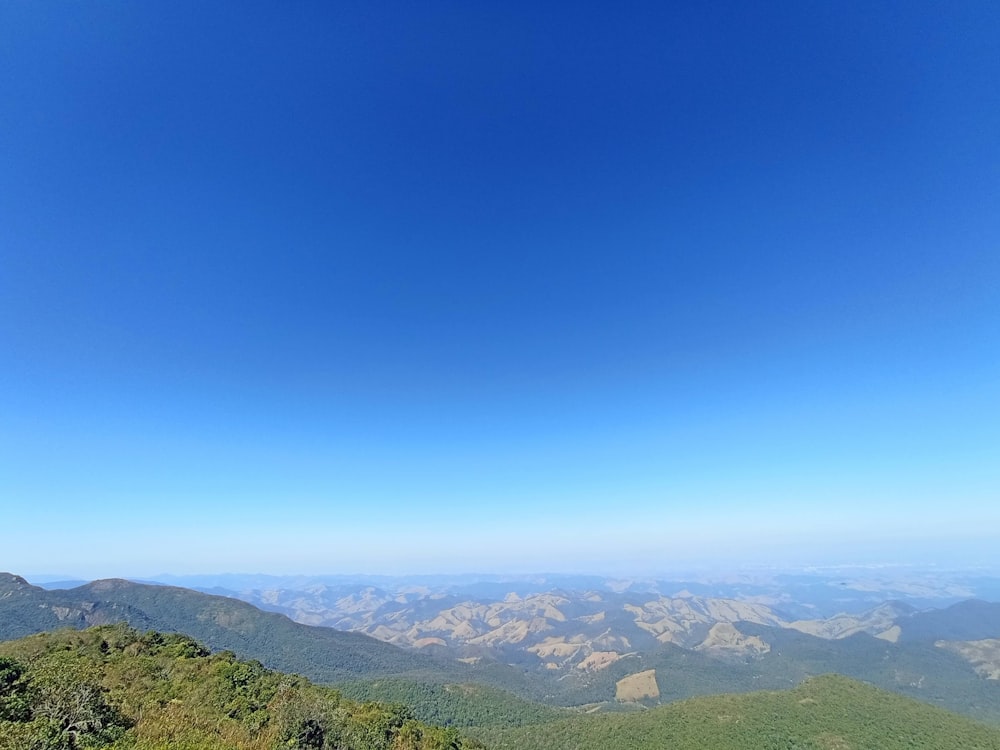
(113, 687)
(463, 705)
(829, 712)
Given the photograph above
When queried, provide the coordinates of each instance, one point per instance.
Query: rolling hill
(828, 712)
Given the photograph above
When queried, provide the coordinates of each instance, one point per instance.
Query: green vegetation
(824, 713)
(463, 705)
(112, 687)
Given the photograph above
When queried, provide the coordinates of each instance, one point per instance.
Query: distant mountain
(881, 621)
(965, 621)
(803, 595)
(577, 646)
(554, 631)
(68, 583)
(563, 630)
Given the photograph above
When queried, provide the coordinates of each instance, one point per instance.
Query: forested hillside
(112, 687)
(463, 705)
(824, 713)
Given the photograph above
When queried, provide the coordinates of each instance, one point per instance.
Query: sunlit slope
(829, 712)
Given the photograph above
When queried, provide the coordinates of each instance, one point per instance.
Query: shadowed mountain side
(321, 654)
(970, 620)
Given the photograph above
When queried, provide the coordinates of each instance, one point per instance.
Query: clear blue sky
(385, 287)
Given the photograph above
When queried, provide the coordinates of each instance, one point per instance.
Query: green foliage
(67, 695)
(14, 702)
(308, 735)
(244, 690)
(112, 687)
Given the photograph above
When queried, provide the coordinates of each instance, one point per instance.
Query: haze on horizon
(442, 287)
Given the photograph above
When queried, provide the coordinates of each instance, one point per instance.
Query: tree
(68, 696)
(14, 705)
(310, 735)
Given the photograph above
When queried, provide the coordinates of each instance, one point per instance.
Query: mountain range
(323, 654)
(112, 687)
(598, 647)
(564, 630)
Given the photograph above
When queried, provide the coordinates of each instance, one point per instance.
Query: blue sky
(398, 287)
